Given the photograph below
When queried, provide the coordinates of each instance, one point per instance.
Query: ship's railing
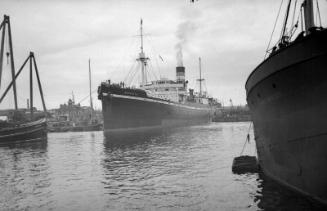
(119, 89)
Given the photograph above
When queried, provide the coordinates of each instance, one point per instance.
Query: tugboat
(17, 126)
(287, 97)
(154, 105)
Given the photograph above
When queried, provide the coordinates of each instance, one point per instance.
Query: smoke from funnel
(184, 31)
(179, 55)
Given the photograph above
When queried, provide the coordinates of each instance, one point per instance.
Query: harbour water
(185, 169)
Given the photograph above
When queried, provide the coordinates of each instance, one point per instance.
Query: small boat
(20, 126)
(29, 131)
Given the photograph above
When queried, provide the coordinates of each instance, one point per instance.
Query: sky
(231, 38)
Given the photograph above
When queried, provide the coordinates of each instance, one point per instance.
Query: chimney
(180, 74)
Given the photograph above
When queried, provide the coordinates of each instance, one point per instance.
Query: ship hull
(287, 96)
(32, 131)
(132, 114)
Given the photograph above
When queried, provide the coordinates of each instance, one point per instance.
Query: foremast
(308, 15)
(142, 57)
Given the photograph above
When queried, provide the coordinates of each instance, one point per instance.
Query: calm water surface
(186, 169)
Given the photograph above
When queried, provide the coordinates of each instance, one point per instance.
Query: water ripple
(185, 169)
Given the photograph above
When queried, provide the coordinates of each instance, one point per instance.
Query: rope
(132, 78)
(155, 53)
(272, 33)
(318, 13)
(285, 20)
(87, 96)
(295, 27)
(123, 57)
(129, 72)
(302, 18)
(247, 138)
(153, 74)
(294, 13)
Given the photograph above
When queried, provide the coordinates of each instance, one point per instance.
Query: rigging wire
(6, 76)
(294, 13)
(295, 27)
(285, 21)
(302, 26)
(318, 13)
(273, 28)
(205, 87)
(130, 71)
(7, 46)
(124, 54)
(156, 53)
(132, 78)
(153, 74)
(87, 97)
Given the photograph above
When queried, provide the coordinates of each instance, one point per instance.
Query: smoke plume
(185, 31)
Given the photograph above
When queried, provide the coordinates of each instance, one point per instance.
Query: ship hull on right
(287, 96)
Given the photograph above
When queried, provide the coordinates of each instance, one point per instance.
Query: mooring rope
(247, 140)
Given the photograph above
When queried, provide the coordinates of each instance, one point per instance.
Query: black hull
(287, 96)
(32, 131)
(132, 114)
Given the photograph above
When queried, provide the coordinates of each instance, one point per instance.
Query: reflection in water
(23, 175)
(185, 169)
(271, 195)
(123, 140)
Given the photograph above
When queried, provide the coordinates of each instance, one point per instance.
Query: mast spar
(91, 103)
(142, 57)
(6, 23)
(200, 79)
(308, 15)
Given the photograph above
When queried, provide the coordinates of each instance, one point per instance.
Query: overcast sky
(230, 36)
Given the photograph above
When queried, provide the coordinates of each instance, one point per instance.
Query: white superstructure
(167, 89)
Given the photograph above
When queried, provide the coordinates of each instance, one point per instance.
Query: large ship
(287, 96)
(154, 105)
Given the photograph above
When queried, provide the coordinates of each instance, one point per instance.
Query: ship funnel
(180, 74)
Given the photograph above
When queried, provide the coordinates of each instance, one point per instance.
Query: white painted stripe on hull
(157, 101)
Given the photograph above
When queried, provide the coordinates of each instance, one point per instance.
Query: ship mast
(6, 23)
(200, 79)
(142, 57)
(308, 15)
(91, 103)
